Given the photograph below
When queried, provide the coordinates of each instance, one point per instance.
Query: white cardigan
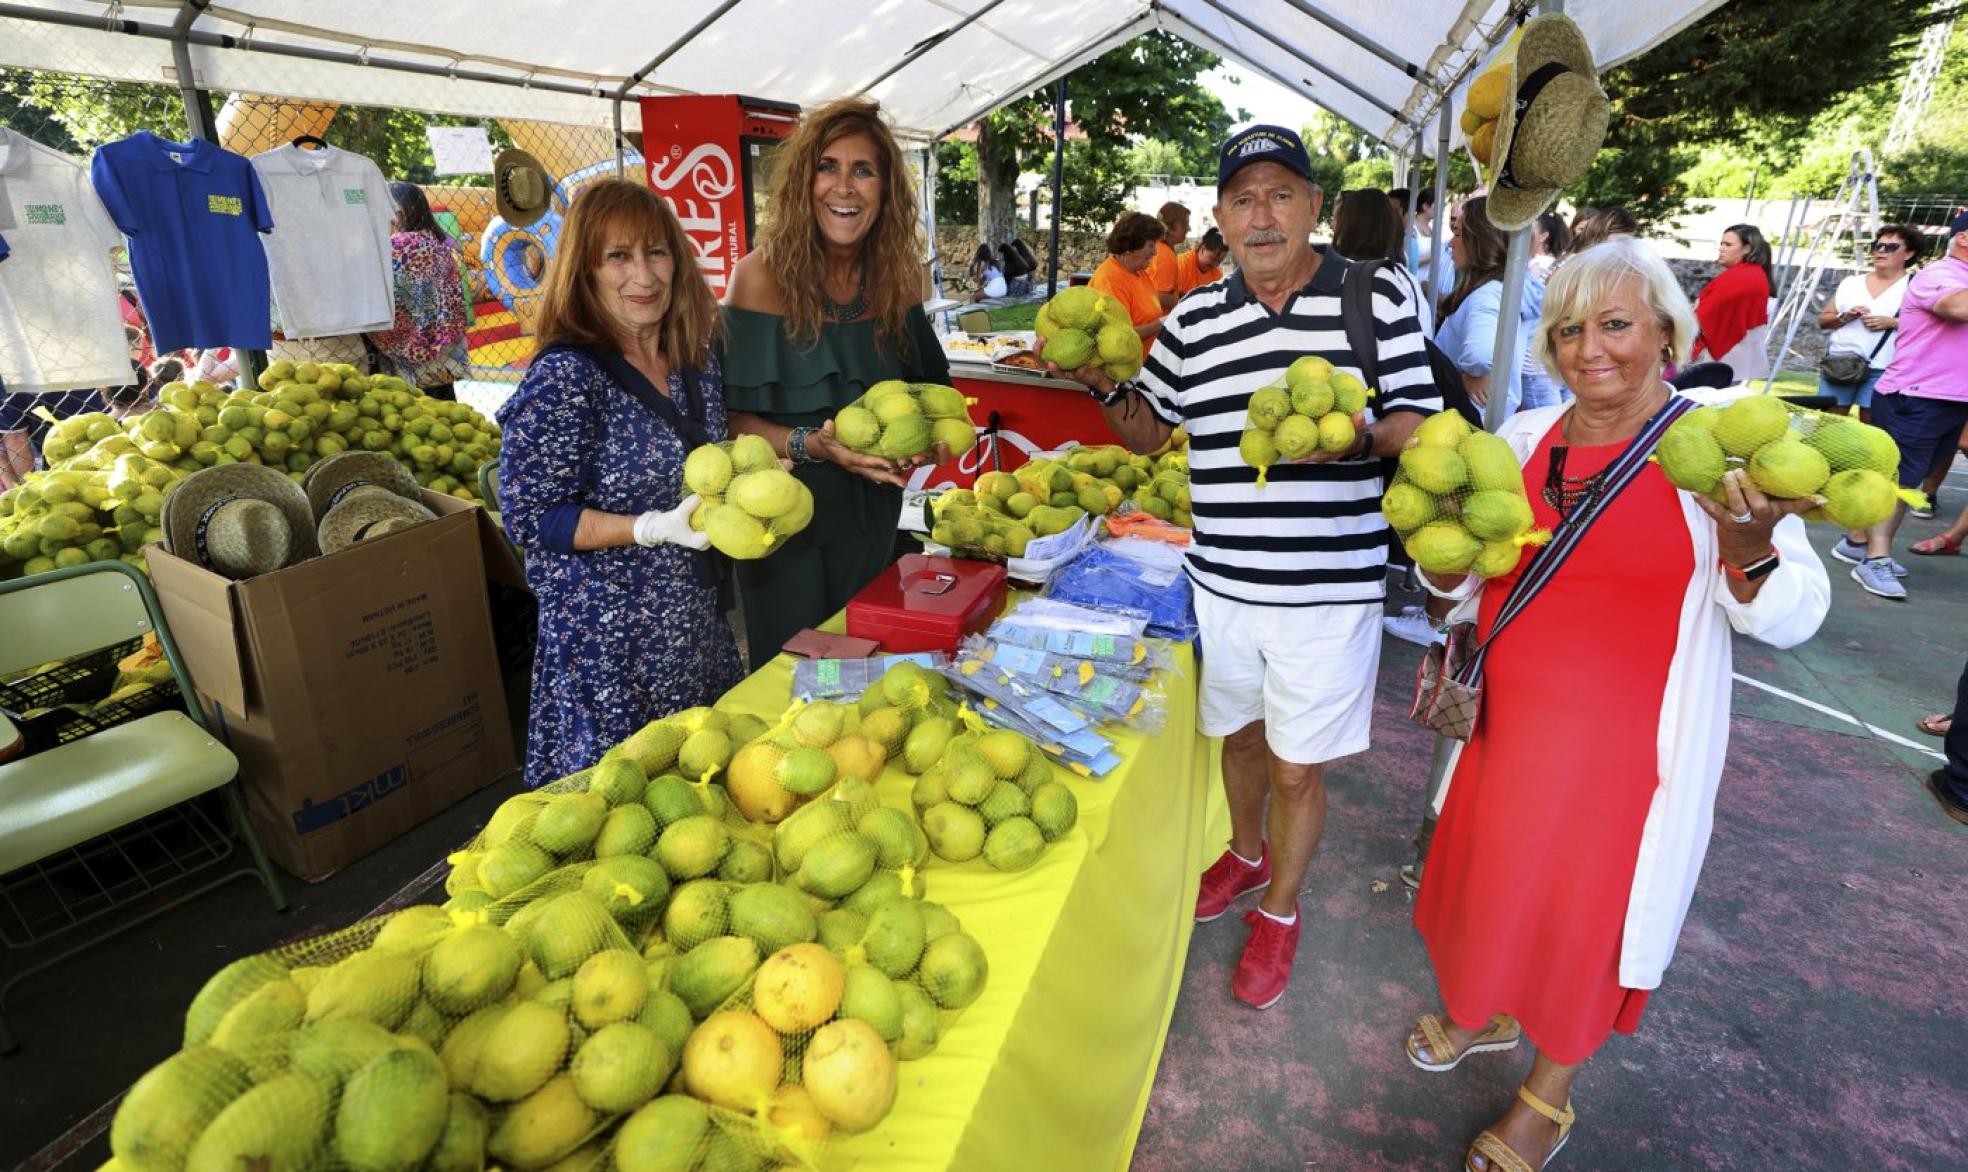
(1694, 718)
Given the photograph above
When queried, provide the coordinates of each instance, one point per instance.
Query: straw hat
(365, 515)
(239, 520)
(521, 188)
(1549, 133)
(329, 482)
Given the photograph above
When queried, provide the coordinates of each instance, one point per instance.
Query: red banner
(691, 147)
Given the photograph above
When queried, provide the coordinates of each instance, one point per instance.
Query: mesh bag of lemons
(750, 502)
(1457, 500)
(1084, 327)
(899, 420)
(104, 488)
(1790, 453)
(1310, 409)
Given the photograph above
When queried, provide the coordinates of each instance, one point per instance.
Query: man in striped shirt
(1289, 577)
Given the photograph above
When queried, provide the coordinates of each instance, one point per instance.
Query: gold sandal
(1504, 1158)
(1502, 1034)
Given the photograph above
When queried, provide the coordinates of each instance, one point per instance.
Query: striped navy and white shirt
(1313, 535)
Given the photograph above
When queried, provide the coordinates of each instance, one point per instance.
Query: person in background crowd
(217, 365)
(828, 304)
(1290, 578)
(1549, 240)
(1164, 273)
(1862, 317)
(1592, 227)
(1937, 476)
(1949, 783)
(624, 386)
(986, 278)
(1734, 308)
(1366, 227)
(425, 347)
(1576, 817)
(1421, 260)
(1469, 323)
(1124, 274)
(133, 316)
(1017, 268)
(22, 427)
(1202, 264)
(1922, 399)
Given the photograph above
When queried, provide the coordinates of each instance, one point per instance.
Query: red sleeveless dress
(1523, 899)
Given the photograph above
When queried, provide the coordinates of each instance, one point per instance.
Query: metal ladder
(1855, 210)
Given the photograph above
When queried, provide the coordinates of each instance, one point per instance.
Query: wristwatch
(796, 446)
(1121, 390)
(1366, 443)
(1760, 568)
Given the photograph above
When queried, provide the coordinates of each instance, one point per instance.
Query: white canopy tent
(936, 65)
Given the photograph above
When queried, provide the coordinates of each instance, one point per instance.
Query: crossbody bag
(1846, 369)
(1449, 686)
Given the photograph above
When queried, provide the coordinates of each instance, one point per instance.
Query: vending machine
(715, 158)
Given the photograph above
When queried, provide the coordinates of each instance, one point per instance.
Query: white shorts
(1307, 672)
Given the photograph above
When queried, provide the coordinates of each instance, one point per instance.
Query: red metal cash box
(924, 603)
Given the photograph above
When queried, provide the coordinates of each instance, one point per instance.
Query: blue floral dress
(627, 634)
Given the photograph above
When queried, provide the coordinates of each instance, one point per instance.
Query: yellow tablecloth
(1051, 1067)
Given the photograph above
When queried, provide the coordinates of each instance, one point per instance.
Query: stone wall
(957, 243)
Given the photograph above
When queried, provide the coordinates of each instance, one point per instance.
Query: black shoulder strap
(690, 422)
(1356, 312)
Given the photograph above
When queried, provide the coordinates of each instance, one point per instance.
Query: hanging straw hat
(239, 520)
(521, 188)
(329, 482)
(1552, 125)
(365, 515)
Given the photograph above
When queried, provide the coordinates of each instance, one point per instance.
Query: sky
(1266, 100)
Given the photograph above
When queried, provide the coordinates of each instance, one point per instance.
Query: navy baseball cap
(1262, 144)
(1957, 225)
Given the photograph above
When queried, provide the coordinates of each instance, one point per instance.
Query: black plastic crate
(82, 679)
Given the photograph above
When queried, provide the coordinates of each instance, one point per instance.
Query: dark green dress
(852, 537)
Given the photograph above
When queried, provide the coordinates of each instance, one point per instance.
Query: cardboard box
(360, 691)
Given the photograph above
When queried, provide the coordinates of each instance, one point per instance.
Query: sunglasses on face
(1886, 246)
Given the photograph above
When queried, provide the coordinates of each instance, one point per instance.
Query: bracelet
(1121, 391)
(1759, 568)
(796, 446)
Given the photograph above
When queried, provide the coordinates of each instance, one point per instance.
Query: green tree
(1147, 88)
(1752, 75)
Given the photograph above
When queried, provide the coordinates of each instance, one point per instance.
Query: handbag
(1846, 369)
(1448, 695)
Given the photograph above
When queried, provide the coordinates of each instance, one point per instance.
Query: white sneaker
(1412, 625)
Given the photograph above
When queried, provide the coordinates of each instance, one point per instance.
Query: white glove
(671, 528)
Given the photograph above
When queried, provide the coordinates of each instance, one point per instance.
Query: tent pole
(1435, 256)
(1503, 360)
(194, 101)
(926, 44)
(621, 155)
(1333, 75)
(635, 79)
(1058, 179)
(1364, 41)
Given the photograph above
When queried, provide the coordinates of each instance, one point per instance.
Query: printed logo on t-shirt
(44, 213)
(225, 205)
(354, 195)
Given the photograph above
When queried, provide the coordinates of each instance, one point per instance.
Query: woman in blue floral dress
(591, 483)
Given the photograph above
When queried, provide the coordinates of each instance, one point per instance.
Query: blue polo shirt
(193, 213)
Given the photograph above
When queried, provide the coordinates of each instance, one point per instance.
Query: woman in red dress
(1586, 790)
(1735, 306)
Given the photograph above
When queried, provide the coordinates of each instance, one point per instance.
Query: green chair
(92, 806)
(488, 487)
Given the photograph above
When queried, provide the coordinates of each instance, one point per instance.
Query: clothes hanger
(309, 140)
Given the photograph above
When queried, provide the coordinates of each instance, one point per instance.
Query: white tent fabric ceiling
(936, 65)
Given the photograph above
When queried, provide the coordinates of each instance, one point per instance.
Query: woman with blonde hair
(827, 305)
(625, 385)
(1576, 816)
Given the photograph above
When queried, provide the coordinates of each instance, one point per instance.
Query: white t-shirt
(1853, 337)
(60, 325)
(329, 251)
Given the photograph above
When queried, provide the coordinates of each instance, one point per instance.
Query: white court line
(1847, 717)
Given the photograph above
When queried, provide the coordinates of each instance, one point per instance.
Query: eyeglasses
(1886, 246)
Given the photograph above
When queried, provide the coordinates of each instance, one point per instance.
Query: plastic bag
(749, 502)
(1108, 581)
(1458, 502)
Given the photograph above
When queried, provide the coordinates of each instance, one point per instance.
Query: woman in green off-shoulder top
(828, 304)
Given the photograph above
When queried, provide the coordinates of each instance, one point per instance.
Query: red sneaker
(1265, 969)
(1228, 878)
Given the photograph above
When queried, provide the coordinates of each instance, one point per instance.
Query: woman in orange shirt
(1164, 269)
(1201, 264)
(1124, 274)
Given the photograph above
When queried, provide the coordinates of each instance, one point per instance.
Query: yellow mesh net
(1457, 500)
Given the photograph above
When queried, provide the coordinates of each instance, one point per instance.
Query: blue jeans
(1860, 393)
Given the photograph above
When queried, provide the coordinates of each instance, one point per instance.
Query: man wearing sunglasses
(1922, 398)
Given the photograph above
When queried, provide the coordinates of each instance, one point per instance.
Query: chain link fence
(501, 265)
